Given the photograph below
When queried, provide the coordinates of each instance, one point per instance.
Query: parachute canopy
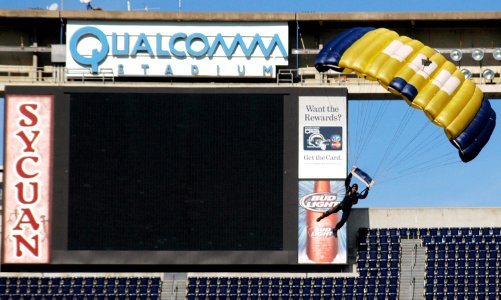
(362, 176)
(421, 76)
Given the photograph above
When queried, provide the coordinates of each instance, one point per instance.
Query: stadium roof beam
(30, 49)
(412, 17)
(440, 50)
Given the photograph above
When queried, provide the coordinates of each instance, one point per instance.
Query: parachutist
(351, 198)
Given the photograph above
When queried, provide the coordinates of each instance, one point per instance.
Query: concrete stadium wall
(426, 217)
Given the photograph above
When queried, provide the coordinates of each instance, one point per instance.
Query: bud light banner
(317, 243)
(322, 137)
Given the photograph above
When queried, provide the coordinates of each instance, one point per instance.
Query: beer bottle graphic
(321, 245)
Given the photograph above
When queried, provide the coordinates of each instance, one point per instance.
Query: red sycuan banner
(27, 179)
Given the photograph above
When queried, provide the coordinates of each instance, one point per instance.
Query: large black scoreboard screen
(175, 172)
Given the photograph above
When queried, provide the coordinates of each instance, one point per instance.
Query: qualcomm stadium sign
(177, 49)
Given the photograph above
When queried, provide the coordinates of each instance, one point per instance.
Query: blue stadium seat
(234, 290)
(430, 231)
(305, 289)
(393, 232)
(244, 281)
(384, 232)
(442, 231)
(403, 232)
(475, 231)
(393, 288)
(338, 289)
(22, 280)
(384, 247)
(99, 280)
(428, 239)
(76, 281)
(424, 232)
(492, 280)
(338, 281)
(6, 289)
(394, 239)
(440, 247)
(328, 281)
(395, 248)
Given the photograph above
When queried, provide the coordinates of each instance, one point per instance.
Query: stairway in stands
(174, 286)
(412, 269)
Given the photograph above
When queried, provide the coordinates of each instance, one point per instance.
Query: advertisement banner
(317, 243)
(322, 137)
(27, 179)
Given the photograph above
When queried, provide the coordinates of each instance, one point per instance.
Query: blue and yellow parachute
(422, 76)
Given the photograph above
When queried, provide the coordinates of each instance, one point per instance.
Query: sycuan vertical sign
(27, 180)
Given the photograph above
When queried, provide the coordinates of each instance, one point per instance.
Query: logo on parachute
(319, 202)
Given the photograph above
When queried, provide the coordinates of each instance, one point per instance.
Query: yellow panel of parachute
(420, 75)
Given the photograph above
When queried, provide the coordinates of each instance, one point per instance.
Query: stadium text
(177, 46)
(194, 70)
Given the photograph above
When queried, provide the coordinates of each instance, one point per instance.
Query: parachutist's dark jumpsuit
(349, 200)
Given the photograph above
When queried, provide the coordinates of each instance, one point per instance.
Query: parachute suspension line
(381, 110)
(420, 143)
(403, 155)
(391, 145)
(420, 165)
(407, 151)
(355, 144)
(430, 142)
(424, 141)
(362, 115)
(421, 168)
(370, 121)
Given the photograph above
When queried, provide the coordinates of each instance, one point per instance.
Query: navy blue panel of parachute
(330, 55)
(477, 134)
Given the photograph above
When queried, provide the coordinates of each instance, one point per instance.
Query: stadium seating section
(25, 287)
(461, 263)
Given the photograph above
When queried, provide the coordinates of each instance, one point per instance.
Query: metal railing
(55, 74)
(302, 76)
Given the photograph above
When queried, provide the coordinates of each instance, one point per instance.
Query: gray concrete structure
(28, 38)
